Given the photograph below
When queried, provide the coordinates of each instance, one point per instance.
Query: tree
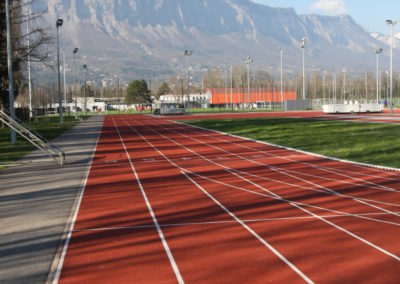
(163, 89)
(38, 50)
(137, 92)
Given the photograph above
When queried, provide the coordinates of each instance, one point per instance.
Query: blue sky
(370, 14)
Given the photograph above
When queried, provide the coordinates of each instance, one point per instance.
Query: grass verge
(48, 127)
(371, 143)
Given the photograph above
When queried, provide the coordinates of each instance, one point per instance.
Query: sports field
(168, 202)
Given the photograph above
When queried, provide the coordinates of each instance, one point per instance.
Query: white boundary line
(264, 242)
(292, 266)
(153, 216)
(397, 170)
(322, 168)
(282, 171)
(303, 209)
(71, 228)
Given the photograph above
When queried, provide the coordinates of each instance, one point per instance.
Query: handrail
(33, 137)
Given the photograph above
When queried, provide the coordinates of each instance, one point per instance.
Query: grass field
(48, 127)
(377, 144)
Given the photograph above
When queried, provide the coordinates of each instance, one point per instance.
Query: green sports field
(372, 143)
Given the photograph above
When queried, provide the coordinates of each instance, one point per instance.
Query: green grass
(377, 144)
(48, 127)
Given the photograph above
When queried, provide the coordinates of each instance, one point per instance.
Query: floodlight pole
(282, 49)
(60, 107)
(303, 44)
(391, 23)
(10, 72)
(188, 53)
(84, 89)
(76, 106)
(377, 52)
(247, 61)
(231, 87)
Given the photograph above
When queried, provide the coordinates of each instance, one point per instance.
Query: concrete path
(36, 202)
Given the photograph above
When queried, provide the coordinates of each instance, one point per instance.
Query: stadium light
(59, 23)
(391, 23)
(377, 52)
(248, 60)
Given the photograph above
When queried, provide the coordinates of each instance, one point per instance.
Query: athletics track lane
(360, 263)
(222, 251)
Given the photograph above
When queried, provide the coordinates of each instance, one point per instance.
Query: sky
(370, 14)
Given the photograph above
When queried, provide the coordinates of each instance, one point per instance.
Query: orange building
(240, 96)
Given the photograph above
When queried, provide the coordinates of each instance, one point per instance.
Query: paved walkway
(36, 199)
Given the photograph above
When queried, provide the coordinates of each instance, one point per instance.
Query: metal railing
(33, 137)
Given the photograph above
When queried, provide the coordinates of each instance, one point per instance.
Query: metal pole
(231, 88)
(281, 76)
(60, 107)
(65, 85)
(391, 70)
(119, 102)
(29, 65)
(10, 72)
(226, 89)
(377, 78)
(304, 81)
(76, 106)
(84, 90)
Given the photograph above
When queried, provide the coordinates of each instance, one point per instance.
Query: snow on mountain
(148, 37)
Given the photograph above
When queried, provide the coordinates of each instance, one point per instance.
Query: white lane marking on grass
(153, 216)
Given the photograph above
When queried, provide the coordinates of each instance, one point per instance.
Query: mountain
(147, 38)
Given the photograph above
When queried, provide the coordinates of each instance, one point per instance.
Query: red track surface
(229, 210)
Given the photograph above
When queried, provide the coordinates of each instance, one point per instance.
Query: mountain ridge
(148, 37)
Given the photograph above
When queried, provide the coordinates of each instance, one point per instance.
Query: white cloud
(330, 7)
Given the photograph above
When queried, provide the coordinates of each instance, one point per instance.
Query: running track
(166, 203)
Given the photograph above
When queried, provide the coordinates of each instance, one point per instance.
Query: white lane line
(265, 243)
(231, 214)
(71, 228)
(387, 170)
(323, 189)
(303, 209)
(153, 216)
(261, 220)
(322, 168)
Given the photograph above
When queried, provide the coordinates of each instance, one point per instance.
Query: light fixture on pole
(248, 60)
(188, 53)
(303, 45)
(391, 23)
(59, 23)
(75, 51)
(282, 49)
(84, 89)
(377, 52)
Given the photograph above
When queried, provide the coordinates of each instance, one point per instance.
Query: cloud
(330, 7)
